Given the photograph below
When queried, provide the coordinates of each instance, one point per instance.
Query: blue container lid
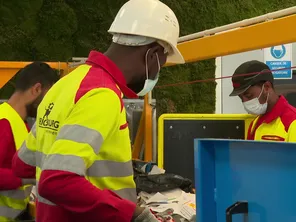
(261, 173)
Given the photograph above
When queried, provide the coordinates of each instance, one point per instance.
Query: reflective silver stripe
(33, 130)
(17, 194)
(106, 168)
(32, 158)
(127, 193)
(81, 134)
(45, 201)
(41, 199)
(27, 155)
(70, 163)
(39, 158)
(75, 164)
(9, 212)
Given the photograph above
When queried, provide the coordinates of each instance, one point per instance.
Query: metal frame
(146, 133)
(247, 37)
(243, 23)
(234, 38)
(170, 116)
(9, 69)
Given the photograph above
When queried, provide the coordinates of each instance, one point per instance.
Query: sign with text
(279, 57)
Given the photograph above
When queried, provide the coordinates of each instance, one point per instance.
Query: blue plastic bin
(261, 173)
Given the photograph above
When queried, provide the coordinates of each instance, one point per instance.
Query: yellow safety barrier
(160, 148)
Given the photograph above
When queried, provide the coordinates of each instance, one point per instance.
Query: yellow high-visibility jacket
(277, 125)
(13, 202)
(81, 127)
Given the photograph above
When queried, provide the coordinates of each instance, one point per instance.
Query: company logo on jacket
(46, 122)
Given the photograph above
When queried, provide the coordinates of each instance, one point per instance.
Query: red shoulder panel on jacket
(97, 78)
(288, 115)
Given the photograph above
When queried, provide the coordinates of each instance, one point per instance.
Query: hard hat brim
(175, 57)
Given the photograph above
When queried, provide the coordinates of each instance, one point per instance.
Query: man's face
(33, 106)
(152, 59)
(256, 91)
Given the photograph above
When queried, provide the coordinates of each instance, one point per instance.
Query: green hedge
(57, 30)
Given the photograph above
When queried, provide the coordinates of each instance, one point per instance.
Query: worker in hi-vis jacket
(33, 81)
(80, 144)
(275, 120)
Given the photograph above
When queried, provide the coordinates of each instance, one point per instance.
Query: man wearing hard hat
(80, 145)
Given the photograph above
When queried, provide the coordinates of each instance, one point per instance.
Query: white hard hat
(153, 19)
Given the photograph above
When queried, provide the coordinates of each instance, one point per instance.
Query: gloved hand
(146, 216)
(28, 182)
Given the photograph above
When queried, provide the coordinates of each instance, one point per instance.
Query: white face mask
(254, 107)
(149, 83)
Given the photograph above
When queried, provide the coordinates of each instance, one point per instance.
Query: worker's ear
(159, 50)
(268, 86)
(36, 90)
(155, 60)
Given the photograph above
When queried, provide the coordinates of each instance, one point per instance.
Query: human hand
(146, 216)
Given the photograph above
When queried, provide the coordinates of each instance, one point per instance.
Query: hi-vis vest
(273, 131)
(13, 202)
(277, 125)
(68, 140)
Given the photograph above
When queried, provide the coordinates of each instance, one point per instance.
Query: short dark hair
(36, 72)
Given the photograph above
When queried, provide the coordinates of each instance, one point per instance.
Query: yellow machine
(256, 33)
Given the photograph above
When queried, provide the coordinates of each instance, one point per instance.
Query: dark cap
(259, 72)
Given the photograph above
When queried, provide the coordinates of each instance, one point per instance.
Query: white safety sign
(279, 57)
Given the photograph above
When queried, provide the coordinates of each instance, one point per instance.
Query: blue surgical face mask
(149, 83)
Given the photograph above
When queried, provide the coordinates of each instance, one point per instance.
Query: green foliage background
(57, 30)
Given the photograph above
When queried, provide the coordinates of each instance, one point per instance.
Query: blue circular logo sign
(278, 52)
